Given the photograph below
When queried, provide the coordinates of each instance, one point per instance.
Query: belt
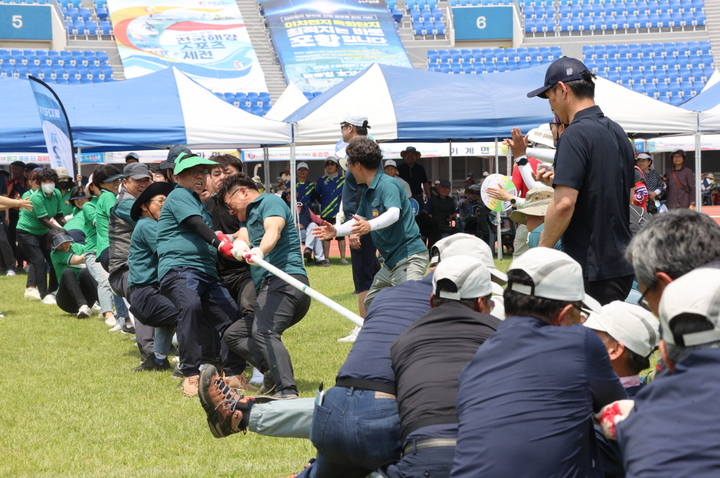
(365, 385)
(429, 443)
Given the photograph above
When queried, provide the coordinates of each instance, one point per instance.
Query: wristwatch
(521, 160)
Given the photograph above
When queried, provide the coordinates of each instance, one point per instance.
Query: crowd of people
(558, 368)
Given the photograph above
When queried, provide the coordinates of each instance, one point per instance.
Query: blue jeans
(354, 434)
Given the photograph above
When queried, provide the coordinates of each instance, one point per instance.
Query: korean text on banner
(322, 43)
(206, 40)
(55, 125)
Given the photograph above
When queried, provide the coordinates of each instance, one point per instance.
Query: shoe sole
(206, 377)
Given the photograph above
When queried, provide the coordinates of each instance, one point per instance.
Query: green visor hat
(185, 161)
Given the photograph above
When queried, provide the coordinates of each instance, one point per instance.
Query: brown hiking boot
(239, 382)
(223, 405)
(190, 385)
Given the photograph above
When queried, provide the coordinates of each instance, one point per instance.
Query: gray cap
(136, 171)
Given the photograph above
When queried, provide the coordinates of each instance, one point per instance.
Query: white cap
(629, 324)
(355, 118)
(390, 162)
(302, 164)
(644, 156)
(555, 275)
(470, 276)
(467, 244)
(697, 292)
(62, 172)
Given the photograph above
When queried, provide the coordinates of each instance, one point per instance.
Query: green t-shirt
(61, 260)
(67, 206)
(43, 207)
(533, 239)
(143, 259)
(76, 222)
(89, 210)
(102, 219)
(177, 244)
(401, 239)
(286, 253)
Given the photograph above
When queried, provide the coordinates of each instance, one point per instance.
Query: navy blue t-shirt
(674, 428)
(392, 311)
(526, 401)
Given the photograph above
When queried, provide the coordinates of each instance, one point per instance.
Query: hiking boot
(223, 405)
(239, 382)
(190, 385)
(84, 312)
(151, 364)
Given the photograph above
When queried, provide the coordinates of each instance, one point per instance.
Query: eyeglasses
(199, 172)
(159, 201)
(330, 163)
(583, 313)
(343, 126)
(227, 199)
(557, 124)
(642, 302)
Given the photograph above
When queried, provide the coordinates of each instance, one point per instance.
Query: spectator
(682, 402)
(64, 185)
(414, 174)
(76, 287)
(708, 183)
(593, 180)
(525, 401)
(680, 183)
(33, 227)
(285, 176)
(468, 213)
(392, 171)
(454, 328)
(653, 181)
(438, 216)
(532, 212)
(132, 158)
(17, 185)
(307, 222)
(328, 190)
(305, 189)
(391, 220)
(470, 180)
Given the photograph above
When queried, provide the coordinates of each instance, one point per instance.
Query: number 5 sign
(25, 22)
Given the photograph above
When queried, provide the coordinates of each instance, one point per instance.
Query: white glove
(239, 249)
(255, 251)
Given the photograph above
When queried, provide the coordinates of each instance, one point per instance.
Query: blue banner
(483, 23)
(55, 125)
(321, 44)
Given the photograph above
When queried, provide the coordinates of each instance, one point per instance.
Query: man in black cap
(132, 158)
(593, 179)
(414, 174)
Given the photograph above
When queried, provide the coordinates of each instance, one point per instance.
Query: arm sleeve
(345, 229)
(198, 226)
(526, 173)
(385, 219)
(604, 383)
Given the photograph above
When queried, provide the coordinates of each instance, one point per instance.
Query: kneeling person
(77, 290)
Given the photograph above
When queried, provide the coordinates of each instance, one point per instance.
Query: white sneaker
(344, 261)
(110, 321)
(32, 293)
(118, 325)
(11, 272)
(353, 335)
(96, 307)
(2, 315)
(49, 300)
(84, 312)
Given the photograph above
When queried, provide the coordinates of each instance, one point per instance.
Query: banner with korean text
(322, 43)
(207, 40)
(55, 125)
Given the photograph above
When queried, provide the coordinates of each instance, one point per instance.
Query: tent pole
(497, 214)
(698, 167)
(266, 166)
(78, 161)
(293, 181)
(450, 158)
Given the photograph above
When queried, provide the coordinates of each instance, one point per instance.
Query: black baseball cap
(563, 69)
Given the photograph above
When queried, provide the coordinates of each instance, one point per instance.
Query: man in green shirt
(384, 212)
(33, 227)
(267, 230)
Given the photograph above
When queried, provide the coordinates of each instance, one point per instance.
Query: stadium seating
(488, 60)
(51, 65)
(670, 72)
(252, 102)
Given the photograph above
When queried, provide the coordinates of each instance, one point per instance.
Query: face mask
(48, 188)
(64, 184)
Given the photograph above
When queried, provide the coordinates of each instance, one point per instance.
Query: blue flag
(55, 125)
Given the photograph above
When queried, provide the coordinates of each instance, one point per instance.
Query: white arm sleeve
(526, 173)
(345, 229)
(385, 219)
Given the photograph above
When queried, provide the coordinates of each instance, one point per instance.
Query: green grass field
(71, 406)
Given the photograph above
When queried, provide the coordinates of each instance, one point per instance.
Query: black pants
(609, 290)
(12, 237)
(431, 228)
(364, 264)
(6, 252)
(74, 291)
(35, 248)
(429, 462)
(240, 285)
(200, 299)
(279, 306)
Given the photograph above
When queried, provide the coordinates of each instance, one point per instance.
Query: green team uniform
(43, 207)
(89, 212)
(143, 253)
(102, 219)
(67, 206)
(61, 260)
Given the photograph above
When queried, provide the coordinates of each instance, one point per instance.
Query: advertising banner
(55, 125)
(207, 41)
(322, 43)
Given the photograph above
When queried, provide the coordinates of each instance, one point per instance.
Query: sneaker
(223, 405)
(190, 385)
(239, 382)
(127, 329)
(308, 255)
(49, 300)
(96, 307)
(110, 321)
(11, 272)
(177, 373)
(2, 316)
(344, 261)
(118, 326)
(84, 312)
(268, 385)
(285, 395)
(324, 263)
(32, 293)
(351, 338)
(151, 365)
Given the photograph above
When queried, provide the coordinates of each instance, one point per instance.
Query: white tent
(290, 100)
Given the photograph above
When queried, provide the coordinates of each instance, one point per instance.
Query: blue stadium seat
(79, 26)
(102, 57)
(102, 13)
(84, 13)
(417, 28)
(92, 27)
(84, 80)
(106, 27)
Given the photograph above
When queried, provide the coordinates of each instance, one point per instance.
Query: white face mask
(47, 188)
